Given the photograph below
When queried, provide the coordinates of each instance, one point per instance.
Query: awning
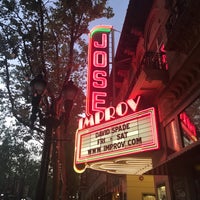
(179, 162)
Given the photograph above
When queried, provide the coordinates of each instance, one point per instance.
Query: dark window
(190, 123)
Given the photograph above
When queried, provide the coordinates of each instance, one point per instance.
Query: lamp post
(65, 100)
(69, 92)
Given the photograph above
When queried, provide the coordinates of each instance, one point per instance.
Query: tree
(18, 168)
(43, 38)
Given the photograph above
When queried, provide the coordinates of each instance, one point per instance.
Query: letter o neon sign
(100, 59)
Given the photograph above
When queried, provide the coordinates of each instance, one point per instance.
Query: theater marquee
(129, 134)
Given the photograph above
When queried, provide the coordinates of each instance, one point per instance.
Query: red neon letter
(84, 122)
(109, 113)
(98, 103)
(99, 116)
(164, 57)
(99, 80)
(104, 42)
(132, 104)
(100, 59)
(119, 109)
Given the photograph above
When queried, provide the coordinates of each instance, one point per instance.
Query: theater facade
(156, 69)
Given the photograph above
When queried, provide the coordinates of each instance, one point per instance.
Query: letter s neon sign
(99, 80)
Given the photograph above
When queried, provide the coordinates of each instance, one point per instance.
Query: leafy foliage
(39, 37)
(17, 167)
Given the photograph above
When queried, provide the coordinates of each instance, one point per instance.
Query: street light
(69, 91)
(38, 85)
(68, 94)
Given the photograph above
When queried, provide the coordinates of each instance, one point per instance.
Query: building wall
(178, 177)
(180, 95)
(174, 24)
(139, 186)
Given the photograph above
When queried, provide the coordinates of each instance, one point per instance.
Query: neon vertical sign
(98, 69)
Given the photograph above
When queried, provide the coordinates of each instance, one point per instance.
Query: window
(162, 192)
(173, 139)
(190, 123)
(148, 197)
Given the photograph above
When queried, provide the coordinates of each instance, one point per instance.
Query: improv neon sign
(109, 113)
(98, 69)
(132, 133)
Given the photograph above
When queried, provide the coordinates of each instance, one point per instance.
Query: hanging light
(69, 91)
(38, 84)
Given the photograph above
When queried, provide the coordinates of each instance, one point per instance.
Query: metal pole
(41, 186)
(51, 123)
(113, 68)
(60, 189)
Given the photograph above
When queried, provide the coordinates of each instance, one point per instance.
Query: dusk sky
(119, 9)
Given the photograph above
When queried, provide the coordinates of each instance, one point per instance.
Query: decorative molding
(124, 165)
(183, 27)
(179, 88)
